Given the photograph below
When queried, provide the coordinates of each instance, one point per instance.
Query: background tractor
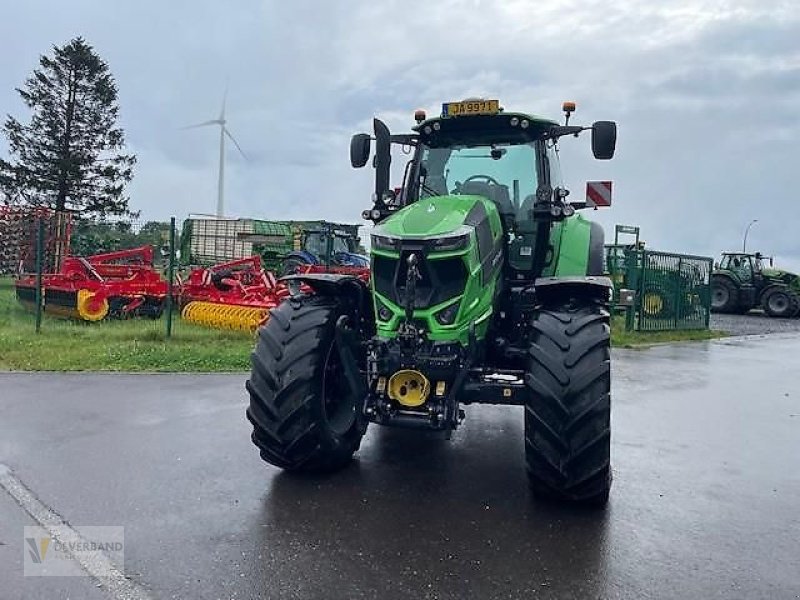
(331, 246)
(486, 287)
(742, 282)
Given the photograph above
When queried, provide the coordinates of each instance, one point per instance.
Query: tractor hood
(775, 273)
(432, 217)
(790, 279)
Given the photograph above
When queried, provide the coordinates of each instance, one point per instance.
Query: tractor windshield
(317, 244)
(504, 173)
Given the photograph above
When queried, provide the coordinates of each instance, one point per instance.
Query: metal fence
(18, 232)
(37, 241)
(672, 291)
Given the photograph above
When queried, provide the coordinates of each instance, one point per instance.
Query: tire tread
(568, 418)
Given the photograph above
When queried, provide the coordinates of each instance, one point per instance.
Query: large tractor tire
(780, 303)
(304, 415)
(724, 295)
(568, 416)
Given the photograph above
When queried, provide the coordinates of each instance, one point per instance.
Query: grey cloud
(705, 93)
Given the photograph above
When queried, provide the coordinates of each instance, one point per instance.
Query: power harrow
(239, 294)
(234, 295)
(117, 284)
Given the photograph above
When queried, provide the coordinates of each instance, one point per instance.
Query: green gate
(673, 291)
(663, 290)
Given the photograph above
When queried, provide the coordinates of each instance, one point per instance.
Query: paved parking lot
(706, 443)
(753, 323)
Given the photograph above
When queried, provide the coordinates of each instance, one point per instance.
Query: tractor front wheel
(568, 415)
(304, 414)
(781, 303)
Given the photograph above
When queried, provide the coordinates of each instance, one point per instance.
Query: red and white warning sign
(598, 193)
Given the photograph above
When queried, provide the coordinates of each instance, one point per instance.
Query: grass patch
(141, 344)
(630, 339)
(113, 345)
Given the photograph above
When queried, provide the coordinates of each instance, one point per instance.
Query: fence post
(642, 257)
(170, 274)
(679, 294)
(706, 298)
(39, 268)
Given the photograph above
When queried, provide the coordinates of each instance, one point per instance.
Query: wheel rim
(721, 296)
(778, 303)
(337, 398)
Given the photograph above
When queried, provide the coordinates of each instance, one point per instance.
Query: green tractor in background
(486, 287)
(742, 282)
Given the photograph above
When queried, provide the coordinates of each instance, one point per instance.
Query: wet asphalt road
(705, 504)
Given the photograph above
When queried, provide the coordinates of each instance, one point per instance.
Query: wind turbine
(223, 131)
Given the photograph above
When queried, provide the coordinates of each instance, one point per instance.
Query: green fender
(577, 248)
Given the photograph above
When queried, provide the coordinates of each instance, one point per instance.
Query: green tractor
(742, 282)
(486, 287)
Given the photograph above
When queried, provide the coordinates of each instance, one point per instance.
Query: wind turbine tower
(223, 132)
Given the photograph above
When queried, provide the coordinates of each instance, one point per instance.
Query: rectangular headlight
(447, 315)
(451, 243)
(382, 242)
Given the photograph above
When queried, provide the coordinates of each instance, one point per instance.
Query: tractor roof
(483, 128)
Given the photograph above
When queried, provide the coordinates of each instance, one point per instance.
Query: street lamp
(746, 231)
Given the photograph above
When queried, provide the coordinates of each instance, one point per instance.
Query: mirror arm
(562, 130)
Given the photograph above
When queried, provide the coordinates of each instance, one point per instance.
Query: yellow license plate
(470, 107)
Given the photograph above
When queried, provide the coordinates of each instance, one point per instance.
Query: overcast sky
(706, 94)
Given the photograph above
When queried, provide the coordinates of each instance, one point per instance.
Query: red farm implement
(360, 272)
(239, 294)
(119, 284)
(233, 295)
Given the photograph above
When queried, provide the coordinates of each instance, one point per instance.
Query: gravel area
(754, 323)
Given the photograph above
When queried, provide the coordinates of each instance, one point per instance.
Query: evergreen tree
(69, 155)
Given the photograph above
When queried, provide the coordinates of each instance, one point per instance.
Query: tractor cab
(747, 268)
(328, 242)
(475, 149)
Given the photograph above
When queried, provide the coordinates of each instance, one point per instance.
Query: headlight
(381, 242)
(447, 315)
(449, 244)
(384, 313)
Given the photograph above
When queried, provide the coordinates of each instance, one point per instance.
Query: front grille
(439, 280)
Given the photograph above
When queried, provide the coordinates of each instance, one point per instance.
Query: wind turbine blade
(203, 124)
(238, 147)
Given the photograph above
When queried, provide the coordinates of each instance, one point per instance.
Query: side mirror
(604, 139)
(383, 158)
(359, 150)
